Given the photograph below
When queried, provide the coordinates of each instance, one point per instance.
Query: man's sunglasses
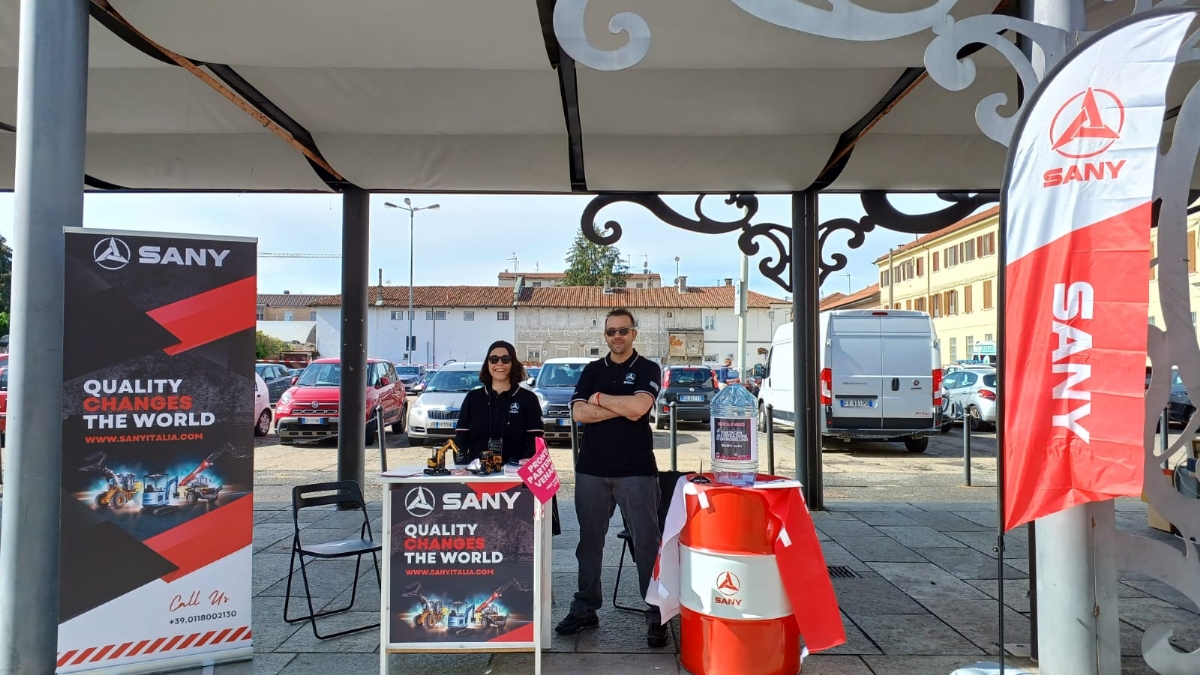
(500, 359)
(610, 332)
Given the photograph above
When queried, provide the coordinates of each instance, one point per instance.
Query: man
(616, 468)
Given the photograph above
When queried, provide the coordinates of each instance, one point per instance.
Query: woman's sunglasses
(610, 332)
(500, 359)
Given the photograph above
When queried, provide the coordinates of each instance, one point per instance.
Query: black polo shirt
(618, 447)
(514, 417)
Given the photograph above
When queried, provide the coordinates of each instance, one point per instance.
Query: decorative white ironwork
(845, 19)
(569, 29)
(954, 74)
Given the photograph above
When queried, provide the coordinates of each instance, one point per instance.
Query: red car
(309, 410)
(4, 395)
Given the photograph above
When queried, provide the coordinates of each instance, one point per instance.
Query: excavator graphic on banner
(121, 488)
(160, 490)
(432, 611)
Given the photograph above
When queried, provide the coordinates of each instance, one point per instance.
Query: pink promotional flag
(539, 474)
(1077, 212)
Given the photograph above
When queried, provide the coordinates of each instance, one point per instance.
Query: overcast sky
(471, 238)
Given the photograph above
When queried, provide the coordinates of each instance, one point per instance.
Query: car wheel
(916, 444)
(974, 419)
(372, 436)
(762, 418)
(264, 423)
(401, 424)
(659, 422)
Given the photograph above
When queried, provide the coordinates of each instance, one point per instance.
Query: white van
(880, 377)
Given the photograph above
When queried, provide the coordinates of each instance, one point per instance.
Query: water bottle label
(734, 440)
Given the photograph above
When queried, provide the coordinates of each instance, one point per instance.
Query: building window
(287, 316)
(935, 303)
(259, 316)
(431, 315)
(920, 306)
(885, 278)
(537, 284)
(987, 337)
(951, 256)
(397, 315)
(533, 356)
(641, 285)
(312, 315)
(710, 358)
(970, 346)
(502, 316)
(968, 253)
(953, 350)
(594, 351)
(710, 322)
(951, 303)
(986, 244)
(468, 316)
(1151, 321)
(987, 295)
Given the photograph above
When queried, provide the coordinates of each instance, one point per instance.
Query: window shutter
(908, 304)
(967, 299)
(987, 295)
(935, 261)
(950, 308)
(920, 267)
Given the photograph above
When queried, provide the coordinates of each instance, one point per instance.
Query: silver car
(972, 391)
(433, 416)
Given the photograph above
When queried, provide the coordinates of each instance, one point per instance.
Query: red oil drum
(735, 615)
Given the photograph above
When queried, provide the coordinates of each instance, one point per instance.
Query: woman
(501, 414)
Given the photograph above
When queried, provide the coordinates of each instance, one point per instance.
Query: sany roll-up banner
(1077, 213)
(158, 464)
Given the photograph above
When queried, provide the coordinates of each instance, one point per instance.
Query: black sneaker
(573, 624)
(656, 635)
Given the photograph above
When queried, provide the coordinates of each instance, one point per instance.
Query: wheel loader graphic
(121, 487)
(432, 613)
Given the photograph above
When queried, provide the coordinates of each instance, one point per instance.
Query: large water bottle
(734, 436)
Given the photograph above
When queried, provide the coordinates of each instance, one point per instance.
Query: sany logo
(112, 253)
(1086, 126)
(1076, 301)
(728, 585)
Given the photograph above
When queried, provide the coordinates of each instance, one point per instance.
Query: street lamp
(409, 345)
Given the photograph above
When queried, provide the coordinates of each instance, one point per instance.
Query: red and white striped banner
(1077, 205)
(129, 650)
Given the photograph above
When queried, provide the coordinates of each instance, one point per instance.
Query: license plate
(691, 399)
(312, 420)
(563, 422)
(857, 402)
(442, 425)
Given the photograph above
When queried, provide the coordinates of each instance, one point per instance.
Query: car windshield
(989, 380)
(408, 371)
(692, 377)
(1176, 380)
(453, 380)
(560, 374)
(321, 375)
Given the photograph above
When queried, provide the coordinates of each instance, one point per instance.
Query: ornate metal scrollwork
(881, 214)
(776, 265)
(773, 267)
(569, 29)
(846, 20)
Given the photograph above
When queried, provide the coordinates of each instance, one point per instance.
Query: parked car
(1179, 406)
(972, 391)
(410, 377)
(880, 377)
(262, 406)
(554, 387)
(692, 388)
(309, 410)
(433, 416)
(532, 373)
(277, 376)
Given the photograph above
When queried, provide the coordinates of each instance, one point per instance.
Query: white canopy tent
(528, 96)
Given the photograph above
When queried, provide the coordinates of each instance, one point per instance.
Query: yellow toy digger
(437, 463)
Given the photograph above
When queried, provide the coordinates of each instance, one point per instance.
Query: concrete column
(352, 413)
(51, 115)
(1078, 628)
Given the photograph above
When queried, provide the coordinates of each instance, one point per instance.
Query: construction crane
(299, 255)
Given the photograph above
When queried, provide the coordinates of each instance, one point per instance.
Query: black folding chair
(666, 490)
(348, 494)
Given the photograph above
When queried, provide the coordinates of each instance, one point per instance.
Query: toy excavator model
(432, 611)
(437, 463)
(487, 615)
(195, 486)
(121, 486)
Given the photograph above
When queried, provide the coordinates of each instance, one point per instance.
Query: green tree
(5, 279)
(590, 264)
(266, 346)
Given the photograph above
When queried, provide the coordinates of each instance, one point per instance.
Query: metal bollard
(382, 439)
(966, 448)
(770, 439)
(1164, 440)
(574, 438)
(674, 440)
